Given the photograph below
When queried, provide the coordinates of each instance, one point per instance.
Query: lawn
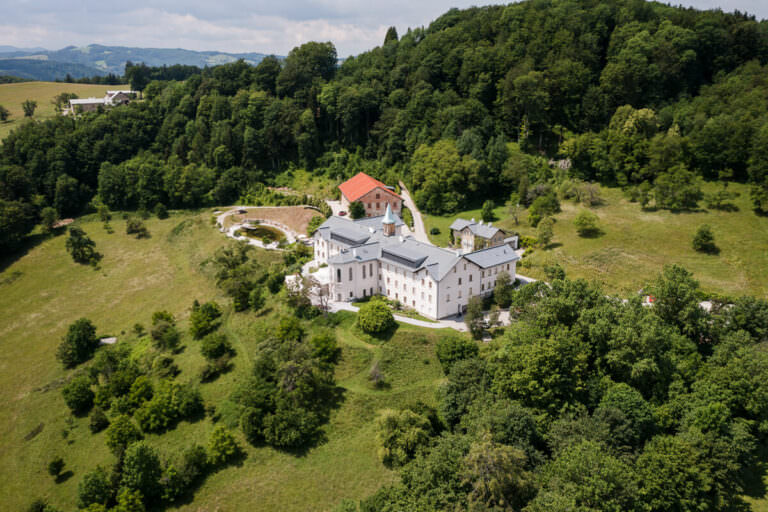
(12, 96)
(42, 291)
(635, 244)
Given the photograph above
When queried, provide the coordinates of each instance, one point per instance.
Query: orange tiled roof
(359, 185)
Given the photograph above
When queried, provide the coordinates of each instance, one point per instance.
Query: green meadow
(42, 291)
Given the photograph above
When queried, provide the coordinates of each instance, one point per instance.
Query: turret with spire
(388, 222)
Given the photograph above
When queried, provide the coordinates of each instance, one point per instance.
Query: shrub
(314, 223)
(215, 345)
(356, 210)
(486, 213)
(375, 317)
(170, 403)
(704, 239)
(81, 247)
(98, 421)
(222, 447)
(204, 319)
(543, 206)
(434, 231)
(256, 298)
(79, 343)
(502, 292)
(545, 231)
(586, 223)
(161, 211)
(290, 427)
(141, 469)
(165, 335)
(94, 488)
(78, 395)
(324, 346)
(400, 434)
(55, 466)
(453, 348)
(135, 226)
(48, 217)
(121, 433)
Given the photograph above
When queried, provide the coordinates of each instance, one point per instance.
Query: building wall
(375, 202)
(469, 242)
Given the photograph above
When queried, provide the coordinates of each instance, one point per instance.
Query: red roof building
(374, 195)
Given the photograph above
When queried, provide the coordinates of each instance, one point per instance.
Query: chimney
(354, 253)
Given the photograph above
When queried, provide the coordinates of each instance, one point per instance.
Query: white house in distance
(370, 257)
(471, 235)
(374, 195)
(111, 99)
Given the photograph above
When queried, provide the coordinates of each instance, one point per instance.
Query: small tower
(388, 222)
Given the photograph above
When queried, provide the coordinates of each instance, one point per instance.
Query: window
(350, 293)
(414, 303)
(397, 296)
(413, 291)
(465, 266)
(470, 291)
(430, 285)
(370, 268)
(429, 298)
(454, 270)
(447, 298)
(378, 196)
(459, 280)
(482, 287)
(378, 205)
(364, 292)
(338, 297)
(459, 293)
(507, 266)
(482, 273)
(350, 273)
(422, 295)
(369, 206)
(470, 278)
(372, 290)
(422, 281)
(363, 271)
(387, 280)
(338, 276)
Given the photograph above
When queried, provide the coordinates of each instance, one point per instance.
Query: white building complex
(370, 256)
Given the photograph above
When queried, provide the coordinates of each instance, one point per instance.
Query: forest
(632, 93)
(590, 403)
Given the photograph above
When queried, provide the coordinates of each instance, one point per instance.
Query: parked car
(342, 213)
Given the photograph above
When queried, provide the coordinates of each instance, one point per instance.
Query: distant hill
(12, 49)
(101, 60)
(45, 70)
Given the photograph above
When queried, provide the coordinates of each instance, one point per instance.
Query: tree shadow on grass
(63, 477)
(753, 475)
(592, 233)
(27, 244)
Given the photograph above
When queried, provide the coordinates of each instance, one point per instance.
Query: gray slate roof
(491, 256)
(477, 229)
(405, 252)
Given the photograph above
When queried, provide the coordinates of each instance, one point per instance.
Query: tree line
(474, 105)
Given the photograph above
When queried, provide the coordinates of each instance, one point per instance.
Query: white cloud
(263, 26)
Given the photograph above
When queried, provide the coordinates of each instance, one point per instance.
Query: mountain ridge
(99, 59)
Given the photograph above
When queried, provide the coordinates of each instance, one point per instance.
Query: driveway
(419, 231)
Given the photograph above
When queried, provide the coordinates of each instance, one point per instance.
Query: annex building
(370, 256)
(372, 193)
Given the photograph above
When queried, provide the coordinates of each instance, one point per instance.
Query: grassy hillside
(12, 96)
(43, 291)
(635, 244)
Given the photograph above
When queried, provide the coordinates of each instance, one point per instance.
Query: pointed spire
(389, 218)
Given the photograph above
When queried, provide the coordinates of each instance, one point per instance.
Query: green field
(43, 291)
(13, 95)
(635, 244)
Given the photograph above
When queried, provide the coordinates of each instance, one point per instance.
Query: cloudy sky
(266, 26)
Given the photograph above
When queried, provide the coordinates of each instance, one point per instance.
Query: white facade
(435, 282)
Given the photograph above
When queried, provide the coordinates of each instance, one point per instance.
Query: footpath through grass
(635, 244)
(43, 291)
(13, 95)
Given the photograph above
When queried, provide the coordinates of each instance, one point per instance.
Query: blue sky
(265, 26)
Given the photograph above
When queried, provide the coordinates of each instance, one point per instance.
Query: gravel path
(419, 231)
